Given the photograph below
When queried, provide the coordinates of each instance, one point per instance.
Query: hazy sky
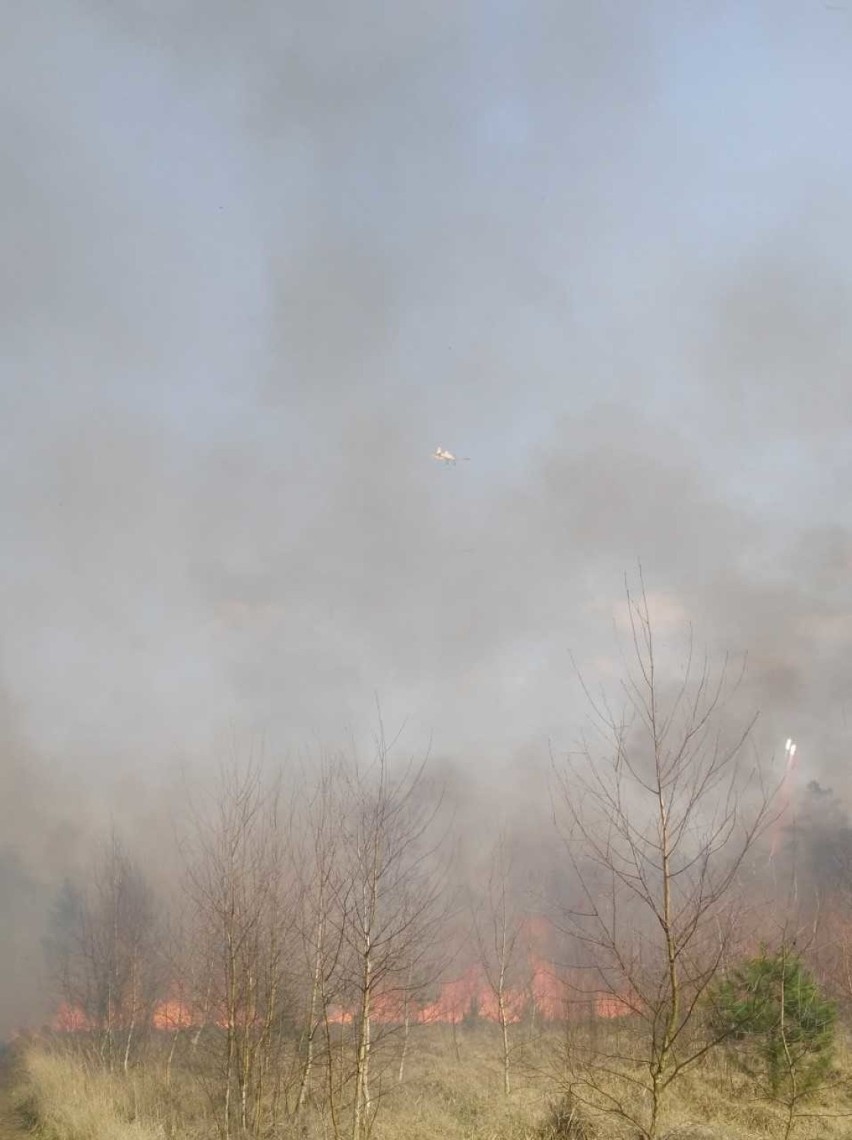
(260, 258)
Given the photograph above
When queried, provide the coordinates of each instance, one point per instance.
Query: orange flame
(172, 1014)
(71, 1019)
(547, 993)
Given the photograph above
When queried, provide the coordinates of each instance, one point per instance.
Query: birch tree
(498, 926)
(391, 894)
(658, 810)
(321, 919)
(236, 887)
(104, 950)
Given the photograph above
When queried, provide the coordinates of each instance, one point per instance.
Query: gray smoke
(260, 259)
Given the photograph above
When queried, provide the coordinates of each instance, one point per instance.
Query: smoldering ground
(258, 263)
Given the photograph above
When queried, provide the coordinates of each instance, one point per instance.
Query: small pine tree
(780, 1027)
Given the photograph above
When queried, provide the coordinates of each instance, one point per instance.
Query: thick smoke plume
(259, 260)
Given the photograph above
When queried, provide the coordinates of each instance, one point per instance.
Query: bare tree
(390, 899)
(236, 886)
(320, 918)
(498, 925)
(105, 954)
(657, 818)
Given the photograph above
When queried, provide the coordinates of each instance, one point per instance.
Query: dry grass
(71, 1101)
(452, 1091)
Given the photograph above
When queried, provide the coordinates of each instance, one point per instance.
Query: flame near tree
(309, 935)
(104, 950)
(548, 996)
(658, 816)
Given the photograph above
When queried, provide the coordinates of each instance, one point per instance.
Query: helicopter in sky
(447, 457)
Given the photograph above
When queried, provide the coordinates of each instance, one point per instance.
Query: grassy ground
(452, 1091)
(12, 1121)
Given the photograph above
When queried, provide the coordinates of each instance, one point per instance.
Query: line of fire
(548, 993)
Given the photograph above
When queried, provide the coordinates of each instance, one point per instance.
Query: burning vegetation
(321, 929)
(549, 995)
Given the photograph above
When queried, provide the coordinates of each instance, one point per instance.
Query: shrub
(566, 1121)
(781, 1026)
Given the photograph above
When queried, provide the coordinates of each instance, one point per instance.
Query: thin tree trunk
(171, 1058)
(312, 1017)
(362, 1056)
(504, 1028)
(329, 1048)
(130, 1029)
(406, 1029)
(456, 1041)
(406, 1023)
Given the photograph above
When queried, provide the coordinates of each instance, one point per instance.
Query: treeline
(304, 928)
(314, 923)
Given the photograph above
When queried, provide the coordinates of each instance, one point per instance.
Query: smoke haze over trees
(259, 260)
